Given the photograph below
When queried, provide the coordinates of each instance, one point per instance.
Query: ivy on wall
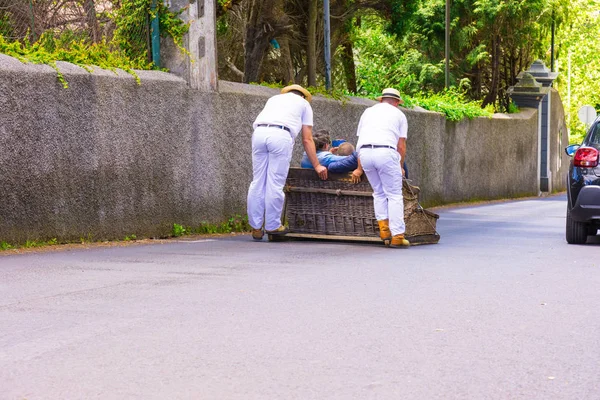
(124, 44)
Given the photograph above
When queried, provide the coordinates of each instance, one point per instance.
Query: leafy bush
(178, 230)
(28, 244)
(130, 19)
(125, 48)
(66, 47)
(513, 108)
(236, 223)
(451, 103)
(382, 62)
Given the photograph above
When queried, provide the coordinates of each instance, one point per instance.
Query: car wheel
(592, 230)
(577, 232)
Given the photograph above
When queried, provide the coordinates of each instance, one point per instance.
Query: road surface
(501, 308)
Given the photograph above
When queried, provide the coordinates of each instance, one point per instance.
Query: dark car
(583, 187)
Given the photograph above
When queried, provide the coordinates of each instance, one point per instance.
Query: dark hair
(321, 138)
(299, 93)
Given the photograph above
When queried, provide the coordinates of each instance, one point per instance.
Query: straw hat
(391, 93)
(299, 88)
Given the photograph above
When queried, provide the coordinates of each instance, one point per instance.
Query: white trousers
(271, 156)
(384, 172)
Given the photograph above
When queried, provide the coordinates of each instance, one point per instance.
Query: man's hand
(334, 150)
(356, 174)
(321, 171)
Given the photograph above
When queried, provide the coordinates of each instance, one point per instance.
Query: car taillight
(586, 157)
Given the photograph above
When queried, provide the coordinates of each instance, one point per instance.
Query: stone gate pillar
(199, 67)
(533, 90)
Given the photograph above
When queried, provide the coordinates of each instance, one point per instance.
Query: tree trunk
(349, 67)
(92, 21)
(511, 79)
(256, 40)
(506, 68)
(265, 20)
(23, 22)
(286, 60)
(311, 51)
(492, 95)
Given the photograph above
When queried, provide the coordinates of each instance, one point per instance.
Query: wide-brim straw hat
(390, 93)
(299, 88)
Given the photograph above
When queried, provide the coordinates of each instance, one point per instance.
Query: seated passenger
(338, 164)
(322, 144)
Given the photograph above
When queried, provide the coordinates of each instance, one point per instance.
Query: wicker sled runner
(338, 209)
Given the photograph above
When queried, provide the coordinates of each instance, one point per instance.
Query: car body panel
(583, 190)
(587, 206)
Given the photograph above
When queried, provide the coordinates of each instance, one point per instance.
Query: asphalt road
(501, 308)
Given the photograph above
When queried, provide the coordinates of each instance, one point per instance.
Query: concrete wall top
(11, 64)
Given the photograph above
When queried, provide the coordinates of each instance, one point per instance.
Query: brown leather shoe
(398, 241)
(257, 234)
(279, 231)
(384, 229)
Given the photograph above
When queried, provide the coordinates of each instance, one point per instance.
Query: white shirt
(381, 124)
(289, 110)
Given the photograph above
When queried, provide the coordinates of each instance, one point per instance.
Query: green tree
(491, 40)
(578, 61)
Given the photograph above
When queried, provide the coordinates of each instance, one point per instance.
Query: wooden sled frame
(336, 209)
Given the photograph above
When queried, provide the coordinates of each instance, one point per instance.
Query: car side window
(595, 137)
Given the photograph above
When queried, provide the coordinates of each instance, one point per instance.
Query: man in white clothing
(283, 117)
(382, 133)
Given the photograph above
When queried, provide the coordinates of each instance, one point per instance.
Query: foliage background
(400, 43)
(375, 44)
(579, 61)
(109, 34)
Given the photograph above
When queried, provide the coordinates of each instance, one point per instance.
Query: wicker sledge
(338, 209)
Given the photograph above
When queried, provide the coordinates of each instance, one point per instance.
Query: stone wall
(108, 157)
(558, 138)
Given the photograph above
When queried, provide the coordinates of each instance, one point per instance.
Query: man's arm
(357, 173)
(331, 158)
(402, 151)
(311, 151)
(349, 163)
(343, 164)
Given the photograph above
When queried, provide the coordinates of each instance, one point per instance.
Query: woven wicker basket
(337, 208)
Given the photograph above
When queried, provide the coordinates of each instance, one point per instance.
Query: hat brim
(299, 88)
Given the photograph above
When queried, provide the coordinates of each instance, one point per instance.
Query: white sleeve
(360, 122)
(307, 115)
(403, 125)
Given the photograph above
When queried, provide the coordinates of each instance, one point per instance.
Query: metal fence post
(155, 34)
(327, 45)
(33, 38)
